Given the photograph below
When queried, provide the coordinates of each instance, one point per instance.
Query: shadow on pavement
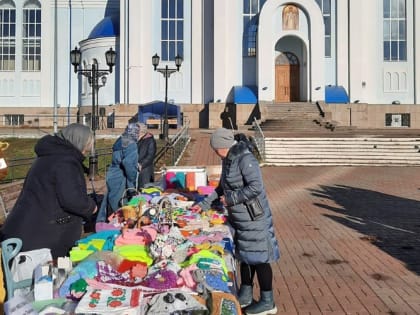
(389, 222)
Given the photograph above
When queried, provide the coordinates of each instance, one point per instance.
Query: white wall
(267, 39)
(370, 75)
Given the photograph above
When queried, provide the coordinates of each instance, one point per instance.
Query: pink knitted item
(186, 276)
(103, 226)
(205, 190)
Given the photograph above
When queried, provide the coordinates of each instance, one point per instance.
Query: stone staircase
(293, 117)
(356, 151)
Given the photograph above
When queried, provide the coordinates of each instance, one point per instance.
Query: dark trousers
(264, 275)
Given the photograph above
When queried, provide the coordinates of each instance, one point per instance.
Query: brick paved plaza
(349, 236)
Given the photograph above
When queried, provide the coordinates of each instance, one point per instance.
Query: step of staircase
(342, 151)
(295, 117)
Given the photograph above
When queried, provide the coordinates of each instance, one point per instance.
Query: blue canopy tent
(245, 95)
(156, 110)
(336, 94)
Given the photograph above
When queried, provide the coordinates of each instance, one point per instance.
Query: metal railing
(173, 150)
(46, 121)
(321, 112)
(259, 139)
(168, 154)
(19, 167)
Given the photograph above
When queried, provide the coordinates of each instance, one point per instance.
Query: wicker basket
(165, 214)
(130, 212)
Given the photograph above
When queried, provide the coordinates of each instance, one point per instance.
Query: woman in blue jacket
(122, 173)
(241, 191)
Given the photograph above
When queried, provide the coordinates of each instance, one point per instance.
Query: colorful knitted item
(126, 265)
(205, 190)
(135, 253)
(187, 277)
(78, 289)
(175, 302)
(206, 259)
(135, 268)
(77, 254)
(107, 274)
(161, 280)
(117, 300)
(139, 271)
(211, 279)
(105, 238)
(136, 236)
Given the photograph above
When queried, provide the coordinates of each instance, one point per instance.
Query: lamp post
(93, 75)
(166, 71)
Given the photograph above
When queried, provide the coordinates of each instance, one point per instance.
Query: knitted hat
(132, 131)
(78, 135)
(143, 129)
(222, 138)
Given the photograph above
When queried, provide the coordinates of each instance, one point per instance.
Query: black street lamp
(93, 75)
(166, 71)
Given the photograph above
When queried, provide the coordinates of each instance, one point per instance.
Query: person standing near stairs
(241, 191)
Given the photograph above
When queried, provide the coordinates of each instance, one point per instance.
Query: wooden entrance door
(287, 78)
(287, 83)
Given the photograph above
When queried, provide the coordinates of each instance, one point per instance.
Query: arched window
(395, 81)
(387, 81)
(31, 36)
(395, 30)
(7, 36)
(172, 29)
(250, 18)
(287, 58)
(325, 6)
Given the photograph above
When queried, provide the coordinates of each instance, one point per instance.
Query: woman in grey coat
(241, 191)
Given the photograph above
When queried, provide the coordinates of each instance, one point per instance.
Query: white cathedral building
(233, 51)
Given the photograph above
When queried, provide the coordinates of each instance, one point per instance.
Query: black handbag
(254, 208)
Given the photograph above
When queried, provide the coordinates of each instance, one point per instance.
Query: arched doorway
(287, 77)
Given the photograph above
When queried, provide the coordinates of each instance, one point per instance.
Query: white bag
(18, 305)
(24, 264)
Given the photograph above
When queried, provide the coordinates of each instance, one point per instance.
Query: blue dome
(109, 26)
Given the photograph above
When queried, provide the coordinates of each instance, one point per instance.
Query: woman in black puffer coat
(54, 201)
(241, 191)
(146, 147)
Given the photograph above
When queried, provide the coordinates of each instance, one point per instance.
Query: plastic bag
(24, 263)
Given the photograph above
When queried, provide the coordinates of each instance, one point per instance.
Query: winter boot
(245, 295)
(265, 306)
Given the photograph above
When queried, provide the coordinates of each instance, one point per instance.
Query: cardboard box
(43, 282)
(174, 181)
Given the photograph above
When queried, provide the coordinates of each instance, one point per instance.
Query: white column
(342, 43)
(227, 47)
(196, 52)
(416, 33)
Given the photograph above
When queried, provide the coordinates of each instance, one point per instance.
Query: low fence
(168, 154)
(21, 121)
